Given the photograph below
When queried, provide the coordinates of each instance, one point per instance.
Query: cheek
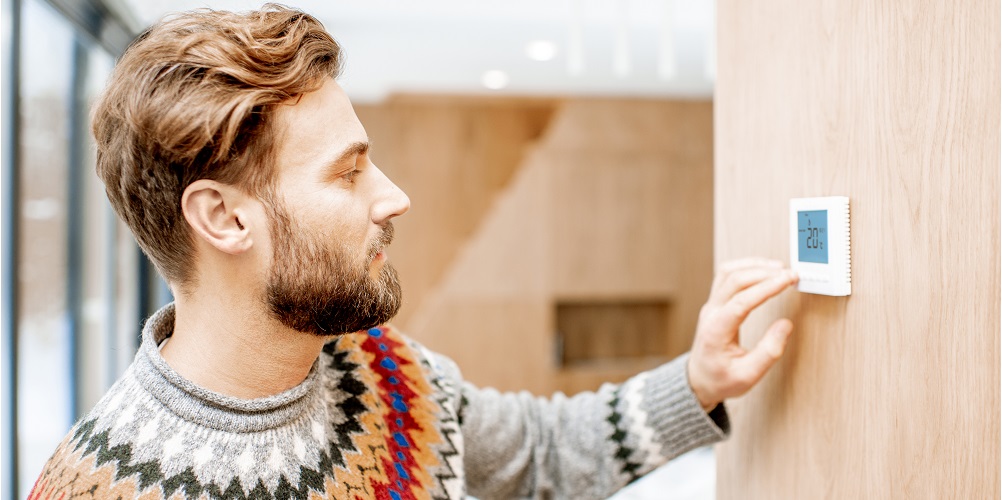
(339, 220)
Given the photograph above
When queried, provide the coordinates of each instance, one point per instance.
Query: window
(44, 344)
(75, 285)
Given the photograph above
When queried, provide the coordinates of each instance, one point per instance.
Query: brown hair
(192, 98)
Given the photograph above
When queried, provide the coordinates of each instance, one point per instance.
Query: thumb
(753, 366)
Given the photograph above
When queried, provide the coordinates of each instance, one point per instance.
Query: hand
(719, 367)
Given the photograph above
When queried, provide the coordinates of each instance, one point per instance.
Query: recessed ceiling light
(495, 79)
(541, 50)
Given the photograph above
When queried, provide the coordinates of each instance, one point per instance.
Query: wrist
(703, 396)
(707, 403)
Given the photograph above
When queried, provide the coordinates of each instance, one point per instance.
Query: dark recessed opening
(597, 331)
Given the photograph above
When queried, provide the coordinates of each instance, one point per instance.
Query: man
(226, 144)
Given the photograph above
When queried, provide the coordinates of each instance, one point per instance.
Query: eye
(350, 175)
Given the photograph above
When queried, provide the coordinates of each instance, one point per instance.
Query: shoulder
(388, 362)
(82, 463)
(387, 348)
(439, 368)
(436, 364)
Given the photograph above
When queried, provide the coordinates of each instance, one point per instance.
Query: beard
(323, 289)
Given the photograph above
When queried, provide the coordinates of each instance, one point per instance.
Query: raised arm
(592, 444)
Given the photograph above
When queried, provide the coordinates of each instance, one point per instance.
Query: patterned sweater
(379, 416)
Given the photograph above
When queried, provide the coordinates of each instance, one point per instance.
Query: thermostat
(819, 245)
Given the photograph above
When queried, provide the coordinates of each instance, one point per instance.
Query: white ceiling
(446, 46)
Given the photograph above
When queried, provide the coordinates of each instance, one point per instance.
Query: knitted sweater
(378, 416)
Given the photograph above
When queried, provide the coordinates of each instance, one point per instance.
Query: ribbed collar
(204, 407)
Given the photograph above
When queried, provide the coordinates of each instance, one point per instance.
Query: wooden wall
(572, 200)
(892, 392)
(452, 156)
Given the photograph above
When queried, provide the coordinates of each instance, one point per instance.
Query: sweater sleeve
(586, 446)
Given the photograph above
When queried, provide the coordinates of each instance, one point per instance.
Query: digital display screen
(812, 236)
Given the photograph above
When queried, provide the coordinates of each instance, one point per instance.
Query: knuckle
(742, 380)
(731, 280)
(718, 322)
(740, 303)
(736, 311)
(704, 312)
(719, 280)
(727, 268)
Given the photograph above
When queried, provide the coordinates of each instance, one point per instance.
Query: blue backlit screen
(812, 236)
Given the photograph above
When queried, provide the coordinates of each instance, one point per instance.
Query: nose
(391, 201)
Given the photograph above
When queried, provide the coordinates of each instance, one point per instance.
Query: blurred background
(558, 156)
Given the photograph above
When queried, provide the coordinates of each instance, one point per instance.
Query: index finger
(731, 266)
(740, 280)
(747, 300)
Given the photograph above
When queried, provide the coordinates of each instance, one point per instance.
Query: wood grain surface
(612, 202)
(453, 157)
(892, 392)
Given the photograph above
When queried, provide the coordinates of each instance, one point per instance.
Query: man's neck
(228, 345)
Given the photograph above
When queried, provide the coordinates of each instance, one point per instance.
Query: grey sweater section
(587, 446)
(378, 415)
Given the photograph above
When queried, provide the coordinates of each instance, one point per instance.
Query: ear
(217, 214)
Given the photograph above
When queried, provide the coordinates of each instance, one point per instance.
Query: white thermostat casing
(820, 245)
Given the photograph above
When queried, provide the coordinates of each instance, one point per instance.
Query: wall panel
(452, 156)
(612, 203)
(892, 392)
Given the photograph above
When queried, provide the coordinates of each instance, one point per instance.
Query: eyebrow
(355, 148)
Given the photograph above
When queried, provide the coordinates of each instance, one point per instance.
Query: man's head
(332, 223)
(225, 143)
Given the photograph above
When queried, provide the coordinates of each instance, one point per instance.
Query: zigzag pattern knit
(377, 417)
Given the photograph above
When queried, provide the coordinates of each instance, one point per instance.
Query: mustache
(383, 239)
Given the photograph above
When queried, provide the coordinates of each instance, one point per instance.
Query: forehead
(316, 128)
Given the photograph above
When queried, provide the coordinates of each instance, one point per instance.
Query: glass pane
(126, 339)
(100, 256)
(44, 378)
